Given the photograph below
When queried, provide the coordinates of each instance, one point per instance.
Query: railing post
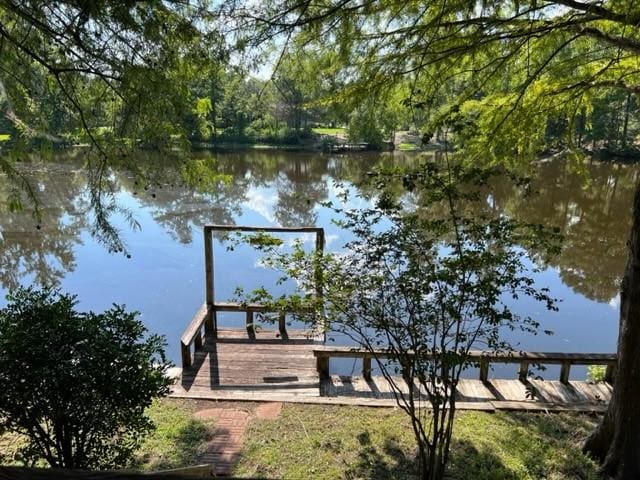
(366, 367)
(484, 369)
(197, 341)
(322, 365)
(319, 276)
(251, 330)
(523, 373)
(565, 370)
(211, 324)
(282, 326)
(186, 355)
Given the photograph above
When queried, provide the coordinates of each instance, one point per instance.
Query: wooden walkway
(287, 365)
(234, 367)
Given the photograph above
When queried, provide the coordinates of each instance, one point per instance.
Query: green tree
(423, 286)
(493, 74)
(76, 385)
(112, 74)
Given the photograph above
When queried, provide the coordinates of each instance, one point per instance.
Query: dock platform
(268, 368)
(288, 365)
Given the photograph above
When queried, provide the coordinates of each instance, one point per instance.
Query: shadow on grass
(391, 462)
(537, 446)
(468, 462)
(173, 448)
(388, 461)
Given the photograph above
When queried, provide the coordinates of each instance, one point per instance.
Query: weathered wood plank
(506, 357)
(245, 228)
(195, 325)
(24, 473)
(208, 267)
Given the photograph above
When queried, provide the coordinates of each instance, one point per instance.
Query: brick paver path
(224, 448)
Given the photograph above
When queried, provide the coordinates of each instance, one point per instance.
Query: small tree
(425, 286)
(76, 385)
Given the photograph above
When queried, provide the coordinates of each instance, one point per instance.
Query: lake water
(164, 278)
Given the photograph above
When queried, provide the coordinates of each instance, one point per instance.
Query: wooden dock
(268, 368)
(293, 366)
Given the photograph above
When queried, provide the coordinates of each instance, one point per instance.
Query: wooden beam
(208, 266)
(366, 367)
(550, 358)
(523, 372)
(242, 307)
(282, 326)
(322, 364)
(185, 351)
(565, 371)
(26, 473)
(484, 369)
(251, 328)
(195, 325)
(240, 228)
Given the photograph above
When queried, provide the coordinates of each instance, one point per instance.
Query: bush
(596, 373)
(75, 384)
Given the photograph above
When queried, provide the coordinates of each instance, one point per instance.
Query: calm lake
(164, 278)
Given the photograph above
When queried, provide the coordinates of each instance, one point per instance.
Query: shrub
(75, 384)
(596, 373)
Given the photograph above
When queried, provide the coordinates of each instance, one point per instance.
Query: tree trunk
(616, 442)
(625, 128)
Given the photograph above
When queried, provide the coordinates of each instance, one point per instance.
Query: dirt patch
(268, 411)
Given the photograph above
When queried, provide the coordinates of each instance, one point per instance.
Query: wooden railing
(206, 317)
(193, 336)
(483, 359)
(203, 324)
(209, 270)
(250, 309)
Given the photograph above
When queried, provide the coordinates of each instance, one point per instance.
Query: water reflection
(266, 187)
(593, 211)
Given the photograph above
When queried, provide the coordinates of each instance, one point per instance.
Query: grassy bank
(331, 442)
(360, 443)
(177, 441)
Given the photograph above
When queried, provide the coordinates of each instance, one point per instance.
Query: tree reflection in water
(590, 207)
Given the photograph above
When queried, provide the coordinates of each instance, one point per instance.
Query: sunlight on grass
(328, 131)
(367, 443)
(408, 147)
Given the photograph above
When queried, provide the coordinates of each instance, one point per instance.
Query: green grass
(408, 147)
(178, 440)
(4, 137)
(359, 443)
(328, 442)
(328, 131)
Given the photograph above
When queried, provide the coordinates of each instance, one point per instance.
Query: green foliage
(263, 240)
(364, 126)
(76, 384)
(426, 285)
(596, 373)
(329, 442)
(504, 80)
